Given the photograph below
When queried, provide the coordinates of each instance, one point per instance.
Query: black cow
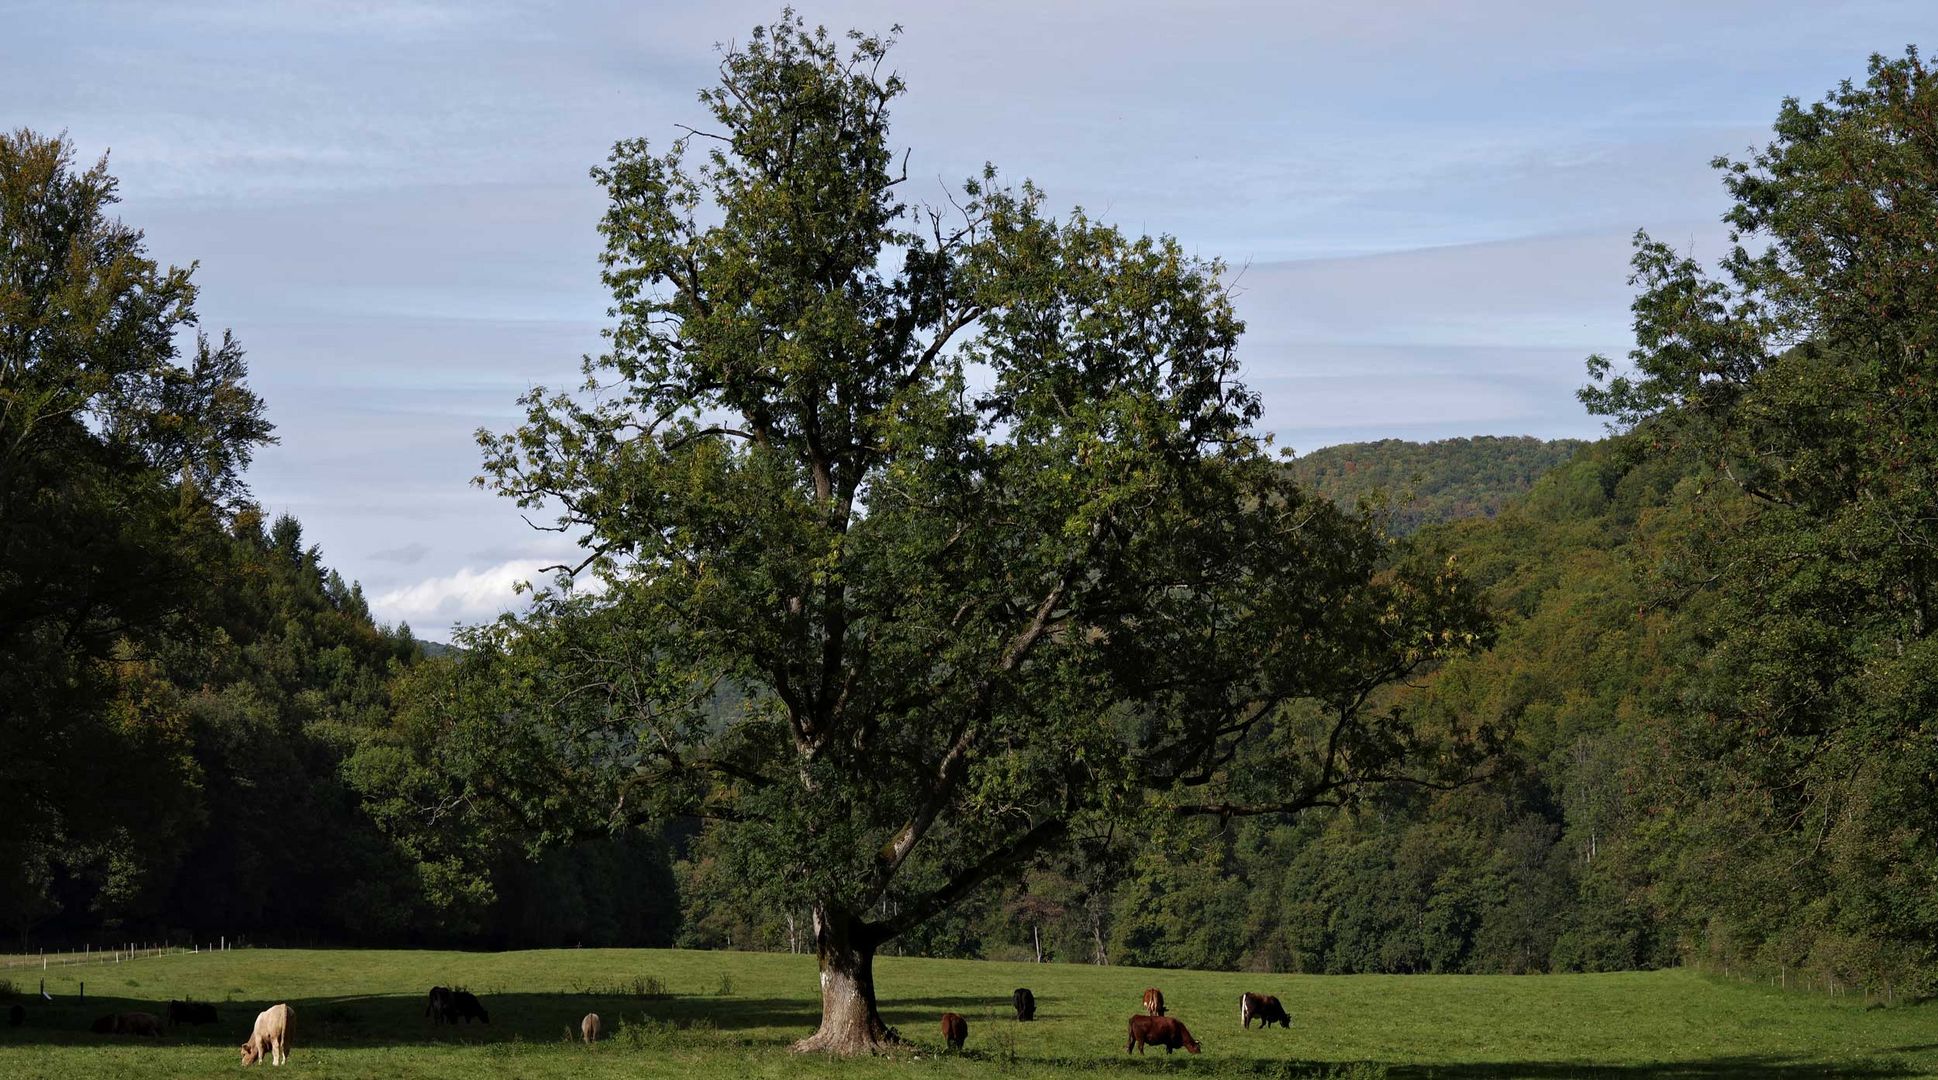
(465, 1005)
(442, 1006)
(191, 1012)
(16, 1016)
(1025, 1003)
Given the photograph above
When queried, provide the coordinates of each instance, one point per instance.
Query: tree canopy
(962, 511)
(1801, 382)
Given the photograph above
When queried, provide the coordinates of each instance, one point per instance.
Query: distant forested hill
(1431, 482)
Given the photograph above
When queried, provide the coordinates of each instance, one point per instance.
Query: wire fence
(120, 953)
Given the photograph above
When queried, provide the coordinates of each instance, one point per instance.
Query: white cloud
(470, 595)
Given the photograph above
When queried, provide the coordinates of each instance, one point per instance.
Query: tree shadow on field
(399, 1019)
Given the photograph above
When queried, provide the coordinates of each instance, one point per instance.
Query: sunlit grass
(701, 1015)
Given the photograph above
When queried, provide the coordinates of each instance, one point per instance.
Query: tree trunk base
(841, 1043)
(850, 1024)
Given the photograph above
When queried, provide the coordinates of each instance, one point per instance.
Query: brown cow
(271, 1037)
(954, 1030)
(138, 1023)
(1159, 1031)
(1154, 1002)
(128, 1023)
(1263, 1008)
(589, 1027)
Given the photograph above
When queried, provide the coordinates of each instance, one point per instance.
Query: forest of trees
(1409, 485)
(1664, 698)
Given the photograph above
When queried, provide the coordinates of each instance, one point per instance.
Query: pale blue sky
(1432, 200)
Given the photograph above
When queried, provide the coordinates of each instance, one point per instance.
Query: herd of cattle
(271, 1035)
(269, 1039)
(1152, 1027)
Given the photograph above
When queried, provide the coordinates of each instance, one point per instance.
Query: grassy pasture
(731, 1015)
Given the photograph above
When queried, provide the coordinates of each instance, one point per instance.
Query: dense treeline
(1714, 670)
(1707, 702)
(183, 685)
(1414, 484)
(1545, 866)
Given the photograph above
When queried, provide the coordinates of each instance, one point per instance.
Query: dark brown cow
(954, 1030)
(103, 1025)
(441, 1006)
(1159, 1031)
(138, 1023)
(1263, 1008)
(1154, 1002)
(1025, 1003)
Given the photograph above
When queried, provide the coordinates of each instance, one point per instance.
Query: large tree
(1802, 379)
(122, 443)
(932, 538)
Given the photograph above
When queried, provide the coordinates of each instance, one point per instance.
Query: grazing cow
(589, 1027)
(191, 1012)
(1159, 1031)
(1263, 1008)
(271, 1037)
(1025, 1003)
(103, 1025)
(465, 1004)
(16, 1015)
(138, 1023)
(441, 1006)
(954, 1030)
(1153, 1002)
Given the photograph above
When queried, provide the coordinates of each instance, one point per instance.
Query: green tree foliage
(118, 456)
(1416, 484)
(965, 625)
(184, 690)
(1801, 382)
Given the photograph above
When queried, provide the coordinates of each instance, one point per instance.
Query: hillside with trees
(1413, 484)
(1068, 668)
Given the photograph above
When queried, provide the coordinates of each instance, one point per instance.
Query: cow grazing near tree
(270, 1038)
(191, 1012)
(1264, 1008)
(954, 1030)
(589, 1028)
(1025, 1003)
(1159, 1031)
(1154, 1002)
(465, 1005)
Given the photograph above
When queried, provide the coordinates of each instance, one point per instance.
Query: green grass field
(731, 1015)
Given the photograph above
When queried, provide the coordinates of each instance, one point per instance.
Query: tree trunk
(850, 1024)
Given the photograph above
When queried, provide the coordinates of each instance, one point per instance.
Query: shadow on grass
(396, 1019)
(728, 1024)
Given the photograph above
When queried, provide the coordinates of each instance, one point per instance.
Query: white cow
(271, 1037)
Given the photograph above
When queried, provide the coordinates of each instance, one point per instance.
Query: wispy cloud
(407, 555)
